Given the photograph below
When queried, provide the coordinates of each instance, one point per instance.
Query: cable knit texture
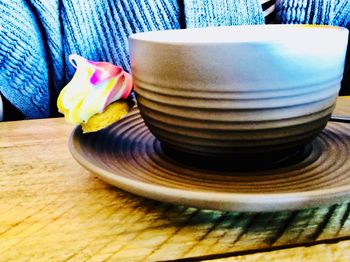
(23, 64)
(204, 13)
(326, 12)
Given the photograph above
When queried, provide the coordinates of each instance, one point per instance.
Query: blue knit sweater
(37, 36)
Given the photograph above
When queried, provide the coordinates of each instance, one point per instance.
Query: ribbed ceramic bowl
(238, 90)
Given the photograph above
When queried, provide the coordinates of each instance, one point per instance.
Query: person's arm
(25, 83)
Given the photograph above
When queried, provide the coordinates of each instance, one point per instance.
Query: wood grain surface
(51, 209)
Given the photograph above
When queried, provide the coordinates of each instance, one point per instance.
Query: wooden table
(52, 209)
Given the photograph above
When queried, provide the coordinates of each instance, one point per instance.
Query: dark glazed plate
(129, 157)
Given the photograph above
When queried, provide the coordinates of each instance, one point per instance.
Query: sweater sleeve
(204, 13)
(23, 65)
(98, 29)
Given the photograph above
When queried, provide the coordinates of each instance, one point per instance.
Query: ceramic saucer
(129, 157)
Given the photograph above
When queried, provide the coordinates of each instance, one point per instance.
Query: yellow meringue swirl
(93, 87)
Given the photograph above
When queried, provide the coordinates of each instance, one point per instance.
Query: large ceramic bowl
(238, 90)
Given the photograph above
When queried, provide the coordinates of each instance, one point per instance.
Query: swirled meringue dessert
(97, 96)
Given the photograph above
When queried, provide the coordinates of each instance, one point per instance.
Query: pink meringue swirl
(93, 87)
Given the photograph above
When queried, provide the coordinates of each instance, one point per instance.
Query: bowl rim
(239, 34)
